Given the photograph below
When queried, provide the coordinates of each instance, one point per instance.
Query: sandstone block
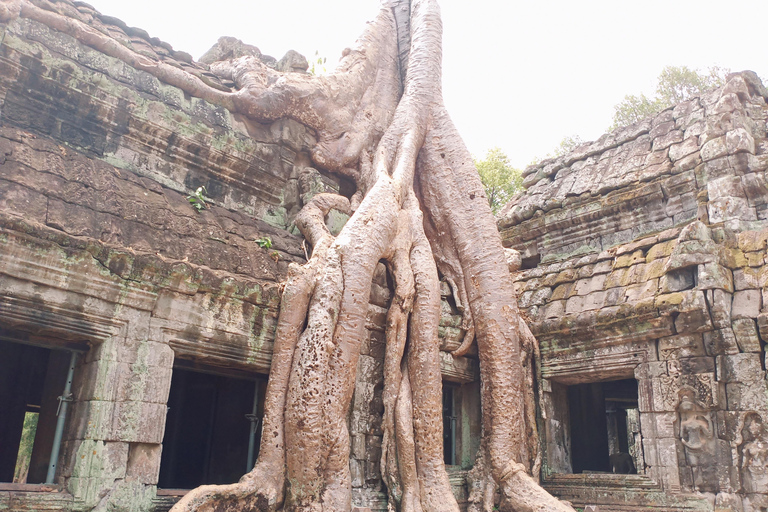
(574, 305)
(720, 341)
(714, 148)
(665, 425)
(664, 141)
(740, 141)
(747, 338)
(660, 250)
(595, 300)
(720, 210)
(715, 276)
(694, 365)
(762, 326)
(727, 186)
(654, 269)
(144, 463)
(746, 304)
(562, 291)
(743, 368)
(681, 345)
(747, 278)
(554, 309)
(627, 260)
(138, 422)
(745, 397)
(667, 452)
(720, 308)
(685, 148)
(751, 241)
(587, 286)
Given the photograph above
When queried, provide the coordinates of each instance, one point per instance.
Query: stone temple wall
(101, 253)
(644, 259)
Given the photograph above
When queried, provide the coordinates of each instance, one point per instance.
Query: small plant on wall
(197, 199)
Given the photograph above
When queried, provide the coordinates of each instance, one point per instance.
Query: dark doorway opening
(604, 424)
(210, 429)
(31, 381)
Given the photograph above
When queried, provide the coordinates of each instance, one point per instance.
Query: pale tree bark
(421, 208)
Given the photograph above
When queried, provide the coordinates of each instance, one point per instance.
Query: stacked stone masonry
(645, 258)
(102, 253)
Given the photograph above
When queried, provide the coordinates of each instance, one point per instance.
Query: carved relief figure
(696, 430)
(754, 455)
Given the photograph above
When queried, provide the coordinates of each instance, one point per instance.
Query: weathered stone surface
(706, 276)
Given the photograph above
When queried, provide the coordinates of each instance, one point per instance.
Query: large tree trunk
(420, 207)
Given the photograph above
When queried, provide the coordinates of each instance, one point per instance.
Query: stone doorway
(604, 426)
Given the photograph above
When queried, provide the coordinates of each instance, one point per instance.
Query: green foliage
(568, 144)
(25, 447)
(264, 242)
(317, 64)
(500, 179)
(197, 199)
(674, 84)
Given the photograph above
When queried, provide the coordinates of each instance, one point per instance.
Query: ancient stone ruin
(137, 333)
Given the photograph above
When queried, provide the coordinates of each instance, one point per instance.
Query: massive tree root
(421, 208)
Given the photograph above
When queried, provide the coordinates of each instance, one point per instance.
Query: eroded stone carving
(753, 453)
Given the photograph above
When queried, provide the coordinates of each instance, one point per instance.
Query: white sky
(520, 75)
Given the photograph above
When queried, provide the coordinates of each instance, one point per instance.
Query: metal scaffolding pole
(64, 400)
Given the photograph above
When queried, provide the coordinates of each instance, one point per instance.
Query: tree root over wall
(420, 207)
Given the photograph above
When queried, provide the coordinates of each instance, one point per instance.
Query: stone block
(739, 141)
(554, 309)
(665, 425)
(138, 422)
(725, 188)
(595, 300)
(746, 304)
(720, 307)
(723, 209)
(682, 149)
(693, 313)
(665, 141)
(667, 452)
(739, 368)
(720, 341)
(762, 326)
(574, 305)
(681, 345)
(357, 446)
(712, 276)
(747, 278)
(144, 463)
(645, 392)
(693, 365)
(562, 291)
(714, 148)
(356, 470)
(752, 396)
(587, 286)
(745, 330)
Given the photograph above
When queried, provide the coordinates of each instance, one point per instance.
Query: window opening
(605, 426)
(32, 380)
(212, 430)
